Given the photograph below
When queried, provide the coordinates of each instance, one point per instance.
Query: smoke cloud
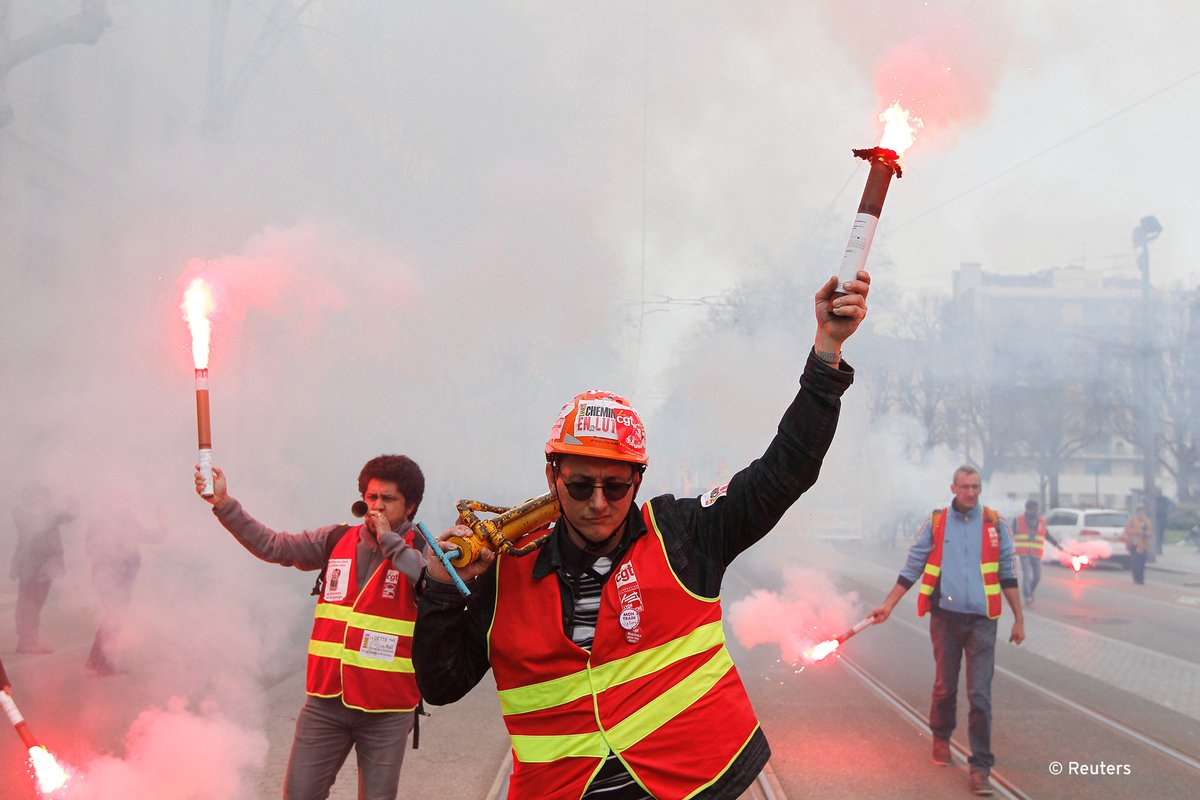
(809, 609)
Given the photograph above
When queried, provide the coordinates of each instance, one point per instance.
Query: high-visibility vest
(1027, 541)
(989, 563)
(658, 687)
(361, 644)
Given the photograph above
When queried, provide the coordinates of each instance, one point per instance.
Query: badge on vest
(337, 579)
(378, 646)
(391, 581)
(629, 595)
(993, 536)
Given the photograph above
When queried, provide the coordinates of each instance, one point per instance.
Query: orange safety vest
(361, 644)
(1028, 542)
(658, 688)
(989, 564)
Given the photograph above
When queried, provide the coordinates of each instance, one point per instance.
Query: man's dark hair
(400, 470)
(1031, 504)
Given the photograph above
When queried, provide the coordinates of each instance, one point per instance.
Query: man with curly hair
(362, 692)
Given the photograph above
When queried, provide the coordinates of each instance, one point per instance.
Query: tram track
(1094, 715)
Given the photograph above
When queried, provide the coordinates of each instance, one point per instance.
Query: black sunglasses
(583, 490)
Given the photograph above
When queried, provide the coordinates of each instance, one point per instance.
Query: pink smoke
(808, 610)
(280, 271)
(175, 754)
(941, 63)
(1095, 551)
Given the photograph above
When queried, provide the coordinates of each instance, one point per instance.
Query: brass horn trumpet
(359, 508)
(503, 531)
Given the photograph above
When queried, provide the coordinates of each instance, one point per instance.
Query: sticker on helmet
(597, 419)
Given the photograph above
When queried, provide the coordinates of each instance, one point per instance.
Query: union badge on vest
(629, 596)
(390, 583)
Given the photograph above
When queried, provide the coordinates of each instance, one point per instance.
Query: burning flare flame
(197, 305)
(899, 128)
(1079, 562)
(818, 652)
(49, 773)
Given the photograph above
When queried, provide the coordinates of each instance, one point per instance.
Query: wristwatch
(827, 357)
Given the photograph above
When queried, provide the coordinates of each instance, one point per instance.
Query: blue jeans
(1031, 575)
(326, 730)
(1137, 565)
(955, 635)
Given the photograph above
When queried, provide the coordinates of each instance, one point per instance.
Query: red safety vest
(1028, 542)
(658, 688)
(361, 645)
(989, 564)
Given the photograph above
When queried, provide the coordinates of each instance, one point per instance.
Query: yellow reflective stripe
(333, 611)
(325, 649)
(371, 622)
(933, 570)
(634, 728)
(541, 749)
(353, 658)
(639, 665)
(989, 567)
(548, 694)
(925, 588)
(991, 588)
(670, 703)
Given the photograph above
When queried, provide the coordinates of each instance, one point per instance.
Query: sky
(429, 224)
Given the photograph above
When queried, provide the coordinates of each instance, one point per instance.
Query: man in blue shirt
(963, 559)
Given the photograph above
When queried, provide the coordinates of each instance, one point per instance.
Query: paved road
(1116, 651)
(1099, 648)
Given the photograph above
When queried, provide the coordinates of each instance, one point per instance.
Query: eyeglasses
(583, 490)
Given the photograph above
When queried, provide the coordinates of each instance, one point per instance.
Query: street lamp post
(1148, 229)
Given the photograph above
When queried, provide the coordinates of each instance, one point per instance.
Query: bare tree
(86, 27)
(1179, 396)
(225, 98)
(911, 379)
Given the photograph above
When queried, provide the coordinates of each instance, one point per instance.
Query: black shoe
(980, 784)
(941, 752)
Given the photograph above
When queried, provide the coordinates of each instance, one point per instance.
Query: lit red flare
(48, 773)
(1080, 561)
(899, 132)
(821, 650)
(197, 305)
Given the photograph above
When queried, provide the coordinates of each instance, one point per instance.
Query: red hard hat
(601, 424)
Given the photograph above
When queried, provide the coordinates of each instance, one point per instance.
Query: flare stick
(204, 431)
(884, 164)
(18, 721)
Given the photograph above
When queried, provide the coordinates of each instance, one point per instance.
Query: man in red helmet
(633, 693)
